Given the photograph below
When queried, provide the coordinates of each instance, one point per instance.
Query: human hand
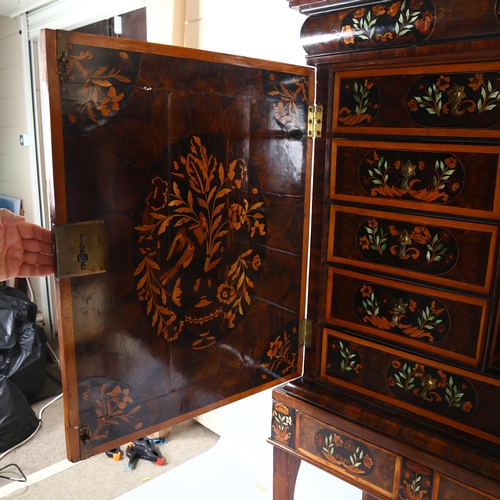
(25, 248)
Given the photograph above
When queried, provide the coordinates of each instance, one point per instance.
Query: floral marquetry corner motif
(111, 408)
(99, 82)
(283, 424)
(280, 358)
(416, 481)
(289, 100)
(388, 23)
(359, 102)
(343, 360)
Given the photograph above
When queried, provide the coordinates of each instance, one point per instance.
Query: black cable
(24, 480)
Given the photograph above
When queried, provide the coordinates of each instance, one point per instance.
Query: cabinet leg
(286, 468)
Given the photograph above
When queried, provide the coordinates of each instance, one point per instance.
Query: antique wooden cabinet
(401, 390)
(183, 200)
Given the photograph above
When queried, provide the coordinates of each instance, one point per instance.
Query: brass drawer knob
(408, 170)
(404, 240)
(428, 383)
(398, 307)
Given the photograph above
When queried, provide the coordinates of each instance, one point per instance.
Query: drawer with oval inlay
(463, 400)
(350, 457)
(452, 179)
(444, 101)
(453, 326)
(438, 251)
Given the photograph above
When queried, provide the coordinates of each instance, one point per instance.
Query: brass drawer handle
(398, 307)
(428, 383)
(404, 240)
(456, 94)
(408, 170)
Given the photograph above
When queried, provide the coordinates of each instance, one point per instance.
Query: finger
(10, 219)
(37, 246)
(27, 270)
(37, 259)
(32, 231)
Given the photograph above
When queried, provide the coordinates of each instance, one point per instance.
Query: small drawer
(444, 252)
(434, 322)
(465, 401)
(445, 101)
(451, 179)
(348, 456)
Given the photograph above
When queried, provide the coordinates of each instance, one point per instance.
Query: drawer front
(348, 456)
(449, 489)
(462, 400)
(453, 100)
(444, 324)
(446, 252)
(453, 179)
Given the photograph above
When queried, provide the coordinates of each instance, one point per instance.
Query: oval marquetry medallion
(425, 176)
(431, 388)
(388, 23)
(426, 249)
(456, 100)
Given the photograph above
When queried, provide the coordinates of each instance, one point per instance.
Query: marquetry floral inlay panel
(200, 245)
(342, 359)
(344, 452)
(411, 315)
(409, 175)
(388, 23)
(461, 100)
(434, 389)
(428, 249)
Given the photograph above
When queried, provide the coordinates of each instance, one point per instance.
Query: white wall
(14, 159)
(17, 163)
(265, 29)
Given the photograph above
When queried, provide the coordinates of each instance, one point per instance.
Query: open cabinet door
(179, 190)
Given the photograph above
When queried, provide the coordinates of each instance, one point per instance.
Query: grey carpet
(99, 478)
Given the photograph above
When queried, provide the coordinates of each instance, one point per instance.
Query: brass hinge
(62, 55)
(305, 332)
(315, 120)
(80, 248)
(84, 442)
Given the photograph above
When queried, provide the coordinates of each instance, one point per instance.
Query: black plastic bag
(24, 362)
(17, 419)
(7, 322)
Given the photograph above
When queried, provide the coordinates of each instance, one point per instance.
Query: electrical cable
(32, 293)
(24, 480)
(54, 356)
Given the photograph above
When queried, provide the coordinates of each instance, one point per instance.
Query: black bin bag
(23, 343)
(17, 419)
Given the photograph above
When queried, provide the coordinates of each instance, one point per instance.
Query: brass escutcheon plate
(80, 249)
